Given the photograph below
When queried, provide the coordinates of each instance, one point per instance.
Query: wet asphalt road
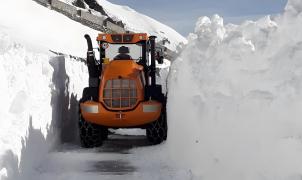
(118, 146)
(117, 159)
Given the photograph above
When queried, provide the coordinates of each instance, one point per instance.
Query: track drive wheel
(157, 130)
(91, 135)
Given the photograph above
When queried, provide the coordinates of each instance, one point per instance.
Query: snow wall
(39, 90)
(40, 106)
(235, 99)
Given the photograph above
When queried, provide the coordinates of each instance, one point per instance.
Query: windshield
(112, 50)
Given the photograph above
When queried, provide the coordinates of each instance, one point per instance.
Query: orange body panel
(140, 113)
(126, 69)
(136, 38)
(144, 113)
(123, 68)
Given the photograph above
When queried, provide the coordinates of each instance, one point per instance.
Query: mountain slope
(138, 22)
(41, 29)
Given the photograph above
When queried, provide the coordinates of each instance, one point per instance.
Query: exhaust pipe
(94, 70)
(89, 43)
(152, 67)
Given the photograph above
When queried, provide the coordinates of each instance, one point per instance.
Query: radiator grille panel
(120, 93)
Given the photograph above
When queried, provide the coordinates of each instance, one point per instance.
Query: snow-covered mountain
(137, 22)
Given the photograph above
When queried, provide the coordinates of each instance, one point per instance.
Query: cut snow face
(234, 104)
(36, 86)
(41, 100)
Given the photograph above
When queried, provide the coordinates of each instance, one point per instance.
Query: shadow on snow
(63, 129)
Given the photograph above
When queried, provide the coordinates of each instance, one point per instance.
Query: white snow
(235, 95)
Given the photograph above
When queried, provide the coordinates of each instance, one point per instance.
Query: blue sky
(182, 14)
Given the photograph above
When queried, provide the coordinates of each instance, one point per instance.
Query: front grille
(120, 93)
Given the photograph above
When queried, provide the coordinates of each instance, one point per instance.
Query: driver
(123, 54)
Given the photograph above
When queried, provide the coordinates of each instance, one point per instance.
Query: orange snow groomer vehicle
(122, 90)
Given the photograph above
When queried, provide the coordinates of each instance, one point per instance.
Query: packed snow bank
(138, 22)
(40, 91)
(234, 102)
(25, 79)
(40, 99)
